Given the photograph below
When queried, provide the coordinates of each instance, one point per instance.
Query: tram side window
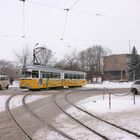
(51, 74)
(66, 75)
(85, 76)
(47, 75)
(81, 76)
(75, 76)
(43, 74)
(70, 76)
(78, 76)
(35, 74)
(56, 75)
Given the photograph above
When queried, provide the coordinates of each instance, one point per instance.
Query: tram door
(63, 79)
(40, 81)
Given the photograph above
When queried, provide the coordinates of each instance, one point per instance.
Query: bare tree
(82, 60)
(60, 64)
(91, 60)
(5, 66)
(69, 61)
(24, 56)
(8, 68)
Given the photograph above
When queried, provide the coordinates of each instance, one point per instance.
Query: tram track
(99, 118)
(79, 122)
(119, 129)
(14, 120)
(43, 123)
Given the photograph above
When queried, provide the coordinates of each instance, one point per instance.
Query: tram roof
(49, 68)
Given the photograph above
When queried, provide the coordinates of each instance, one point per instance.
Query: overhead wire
(73, 4)
(45, 4)
(10, 35)
(64, 28)
(23, 22)
(81, 11)
(66, 17)
(105, 16)
(96, 41)
(85, 12)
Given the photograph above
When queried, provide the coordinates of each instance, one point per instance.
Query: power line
(86, 12)
(106, 16)
(74, 4)
(68, 39)
(66, 17)
(10, 35)
(48, 5)
(23, 18)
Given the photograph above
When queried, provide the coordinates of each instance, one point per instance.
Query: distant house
(114, 67)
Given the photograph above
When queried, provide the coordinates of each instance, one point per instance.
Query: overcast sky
(110, 23)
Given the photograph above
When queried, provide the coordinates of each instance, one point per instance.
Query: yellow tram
(36, 77)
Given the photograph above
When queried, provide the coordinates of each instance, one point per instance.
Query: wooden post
(134, 98)
(104, 93)
(109, 100)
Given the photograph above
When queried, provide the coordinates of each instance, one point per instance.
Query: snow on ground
(123, 111)
(17, 101)
(107, 84)
(118, 103)
(15, 84)
(3, 99)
